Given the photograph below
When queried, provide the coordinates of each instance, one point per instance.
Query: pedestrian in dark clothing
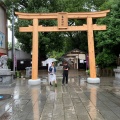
(65, 73)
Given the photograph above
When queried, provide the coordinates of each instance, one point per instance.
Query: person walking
(52, 74)
(65, 73)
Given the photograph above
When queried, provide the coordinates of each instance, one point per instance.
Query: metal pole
(13, 49)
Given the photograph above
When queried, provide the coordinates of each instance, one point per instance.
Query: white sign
(43, 63)
(81, 61)
(2, 40)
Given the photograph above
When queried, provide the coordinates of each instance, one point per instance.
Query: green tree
(17, 45)
(48, 42)
(108, 42)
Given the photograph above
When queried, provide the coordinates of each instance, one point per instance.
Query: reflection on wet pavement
(76, 101)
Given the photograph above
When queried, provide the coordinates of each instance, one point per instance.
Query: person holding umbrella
(52, 74)
(49, 61)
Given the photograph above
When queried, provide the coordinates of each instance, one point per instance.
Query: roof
(75, 51)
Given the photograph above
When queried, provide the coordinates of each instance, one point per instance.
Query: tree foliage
(17, 45)
(58, 41)
(108, 42)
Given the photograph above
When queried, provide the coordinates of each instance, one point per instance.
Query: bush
(106, 59)
(88, 72)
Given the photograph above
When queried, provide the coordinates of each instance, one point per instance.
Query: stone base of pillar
(93, 80)
(34, 82)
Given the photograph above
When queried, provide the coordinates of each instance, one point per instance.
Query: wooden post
(91, 48)
(35, 50)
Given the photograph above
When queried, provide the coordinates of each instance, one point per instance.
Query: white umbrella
(50, 60)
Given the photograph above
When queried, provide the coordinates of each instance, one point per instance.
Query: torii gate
(62, 18)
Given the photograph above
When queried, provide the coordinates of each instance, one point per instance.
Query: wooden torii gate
(62, 19)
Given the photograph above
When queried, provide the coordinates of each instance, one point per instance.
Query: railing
(106, 72)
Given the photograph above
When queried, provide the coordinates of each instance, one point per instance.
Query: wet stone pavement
(76, 101)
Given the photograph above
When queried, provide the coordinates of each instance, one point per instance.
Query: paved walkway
(77, 101)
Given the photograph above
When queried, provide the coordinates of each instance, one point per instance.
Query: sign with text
(2, 40)
(62, 20)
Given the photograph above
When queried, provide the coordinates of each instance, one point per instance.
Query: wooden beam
(70, 28)
(26, 29)
(36, 15)
(91, 49)
(55, 28)
(78, 15)
(99, 27)
(85, 15)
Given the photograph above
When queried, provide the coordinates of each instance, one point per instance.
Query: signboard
(62, 20)
(2, 40)
(81, 61)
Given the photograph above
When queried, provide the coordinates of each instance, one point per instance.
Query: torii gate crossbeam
(62, 18)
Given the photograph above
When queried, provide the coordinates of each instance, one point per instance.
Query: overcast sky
(10, 33)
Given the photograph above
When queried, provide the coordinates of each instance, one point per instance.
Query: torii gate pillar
(91, 52)
(62, 18)
(35, 80)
